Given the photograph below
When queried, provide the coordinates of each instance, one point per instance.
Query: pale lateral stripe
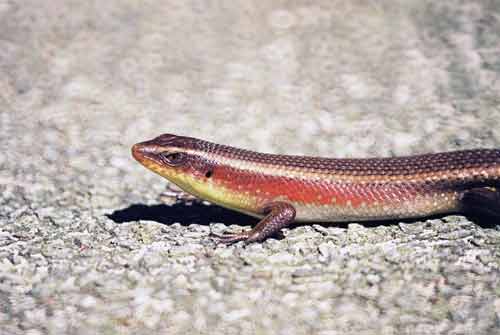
(304, 173)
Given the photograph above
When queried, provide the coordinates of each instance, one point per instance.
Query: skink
(282, 189)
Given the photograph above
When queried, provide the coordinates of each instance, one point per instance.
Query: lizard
(281, 189)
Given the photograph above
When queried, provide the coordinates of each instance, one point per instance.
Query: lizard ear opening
(173, 158)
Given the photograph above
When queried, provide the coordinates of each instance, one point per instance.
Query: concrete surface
(87, 243)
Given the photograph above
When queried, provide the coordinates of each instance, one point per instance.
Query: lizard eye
(174, 158)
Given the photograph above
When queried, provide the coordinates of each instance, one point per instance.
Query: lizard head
(176, 158)
(200, 168)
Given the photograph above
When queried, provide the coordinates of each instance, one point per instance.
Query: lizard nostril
(137, 151)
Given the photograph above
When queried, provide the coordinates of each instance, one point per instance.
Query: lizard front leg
(277, 215)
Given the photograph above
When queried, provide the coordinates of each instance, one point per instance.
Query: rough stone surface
(87, 245)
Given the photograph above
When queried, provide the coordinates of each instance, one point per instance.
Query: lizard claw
(230, 238)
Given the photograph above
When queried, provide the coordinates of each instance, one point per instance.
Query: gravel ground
(90, 242)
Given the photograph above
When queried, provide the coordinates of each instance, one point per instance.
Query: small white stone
(88, 302)
(282, 19)
(401, 95)
(355, 86)
(236, 315)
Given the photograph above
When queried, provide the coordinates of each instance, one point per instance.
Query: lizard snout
(139, 150)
